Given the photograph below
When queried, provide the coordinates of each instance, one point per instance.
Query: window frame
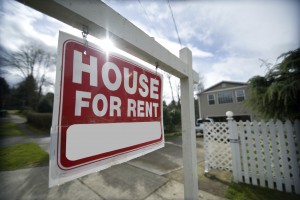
(226, 99)
(214, 99)
(236, 95)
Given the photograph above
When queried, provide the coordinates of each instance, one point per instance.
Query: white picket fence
(261, 153)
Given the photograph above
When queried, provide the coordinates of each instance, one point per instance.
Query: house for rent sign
(107, 110)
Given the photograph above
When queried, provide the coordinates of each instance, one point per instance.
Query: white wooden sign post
(101, 21)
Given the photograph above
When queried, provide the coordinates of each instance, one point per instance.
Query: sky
(227, 38)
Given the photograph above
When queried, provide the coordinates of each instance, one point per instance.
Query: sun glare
(107, 44)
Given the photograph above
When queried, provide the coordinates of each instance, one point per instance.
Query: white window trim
(236, 96)
(214, 99)
(226, 91)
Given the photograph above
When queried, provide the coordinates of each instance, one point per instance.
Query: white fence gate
(217, 150)
(258, 153)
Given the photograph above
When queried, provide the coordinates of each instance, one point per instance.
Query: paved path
(148, 177)
(40, 137)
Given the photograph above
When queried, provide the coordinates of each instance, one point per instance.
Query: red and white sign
(108, 110)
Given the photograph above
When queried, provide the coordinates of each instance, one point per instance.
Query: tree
(277, 94)
(178, 92)
(166, 118)
(26, 93)
(3, 54)
(31, 61)
(4, 92)
(169, 79)
(199, 87)
(171, 116)
(45, 104)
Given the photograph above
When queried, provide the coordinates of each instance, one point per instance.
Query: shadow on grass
(215, 178)
(215, 182)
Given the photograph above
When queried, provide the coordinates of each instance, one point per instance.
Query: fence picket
(292, 155)
(282, 141)
(297, 129)
(243, 136)
(297, 154)
(251, 152)
(267, 155)
(274, 146)
(258, 154)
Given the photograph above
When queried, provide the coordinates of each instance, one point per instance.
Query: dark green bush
(39, 120)
(3, 113)
(44, 106)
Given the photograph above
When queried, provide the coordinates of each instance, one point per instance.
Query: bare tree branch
(169, 79)
(30, 60)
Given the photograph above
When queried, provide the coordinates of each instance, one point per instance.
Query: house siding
(219, 110)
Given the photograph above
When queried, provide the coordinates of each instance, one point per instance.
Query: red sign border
(107, 155)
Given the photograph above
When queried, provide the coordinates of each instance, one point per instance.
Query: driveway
(147, 177)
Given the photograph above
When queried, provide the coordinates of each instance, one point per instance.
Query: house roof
(231, 82)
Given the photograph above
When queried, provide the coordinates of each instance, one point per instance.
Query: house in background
(225, 96)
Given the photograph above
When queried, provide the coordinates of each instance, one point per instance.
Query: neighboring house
(225, 96)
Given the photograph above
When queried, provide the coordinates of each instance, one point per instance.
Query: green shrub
(45, 105)
(3, 113)
(39, 120)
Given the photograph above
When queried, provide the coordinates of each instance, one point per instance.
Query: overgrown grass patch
(241, 191)
(22, 156)
(9, 129)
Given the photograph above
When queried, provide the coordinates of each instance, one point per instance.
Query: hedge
(3, 113)
(39, 120)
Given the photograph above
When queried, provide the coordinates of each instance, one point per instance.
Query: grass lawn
(220, 183)
(9, 129)
(21, 156)
(247, 192)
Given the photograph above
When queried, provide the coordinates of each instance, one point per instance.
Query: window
(240, 95)
(211, 99)
(225, 97)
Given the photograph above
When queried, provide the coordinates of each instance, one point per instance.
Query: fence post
(234, 143)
